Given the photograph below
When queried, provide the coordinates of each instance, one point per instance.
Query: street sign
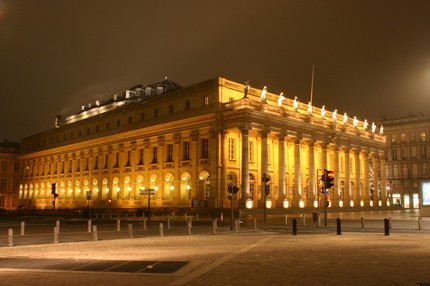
(147, 192)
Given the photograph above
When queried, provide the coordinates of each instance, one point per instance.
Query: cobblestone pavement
(267, 256)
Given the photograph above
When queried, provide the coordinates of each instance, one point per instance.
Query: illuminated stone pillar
(222, 194)
(347, 192)
(336, 188)
(281, 168)
(357, 193)
(312, 182)
(374, 158)
(383, 179)
(244, 190)
(297, 174)
(264, 164)
(366, 190)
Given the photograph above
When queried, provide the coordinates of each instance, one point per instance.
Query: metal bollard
(303, 220)
(130, 230)
(197, 216)
(22, 228)
(338, 226)
(222, 216)
(161, 229)
(57, 224)
(168, 223)
(56, 232)
(236, 225)
(95, 238)
(294, 226)
(420, 223)
(118, 224)
(318, 219)
(286, 220)
(10, 236)
(189, 227)
(89, 225)
(387, 226)
(144, 224)
(255, 224)
(214, 226)
(362, 222)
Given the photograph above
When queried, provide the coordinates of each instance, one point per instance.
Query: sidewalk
(247, 257)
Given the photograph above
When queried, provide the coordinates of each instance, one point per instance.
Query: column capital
(281, 136)
(264, 133)
(245, 129)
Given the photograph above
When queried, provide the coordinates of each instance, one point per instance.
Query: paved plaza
(270, 255)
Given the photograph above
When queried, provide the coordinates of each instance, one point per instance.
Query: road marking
(199, 272)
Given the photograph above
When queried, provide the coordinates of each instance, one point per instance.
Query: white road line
(193, 275)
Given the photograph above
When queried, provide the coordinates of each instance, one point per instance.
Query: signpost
(89, 195)
(148, 192)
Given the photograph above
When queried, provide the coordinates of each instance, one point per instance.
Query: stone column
(336, 188)
(374, 158)
(244, 190)
(357, 193)
(264, 164)
(366, 191)
(223, 192)
(383, 179)
(281, 168)
(347, 192)
(297, 174)
(312, 182)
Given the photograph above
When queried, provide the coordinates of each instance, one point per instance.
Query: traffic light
(232, 189)
(266, 184)
(267, 190)
(328, 179)
(53, 190)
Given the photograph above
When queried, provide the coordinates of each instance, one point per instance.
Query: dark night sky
(372, 57)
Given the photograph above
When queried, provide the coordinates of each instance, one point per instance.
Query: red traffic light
(328, 178)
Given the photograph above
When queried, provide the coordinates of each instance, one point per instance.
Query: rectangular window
(169, 153)
(393, 138)
(128, 162)
(251, 151)
(413, 152)
(394, 154)
(140, 157)
(205, 148)
(206, 100)
(142, 117)
(186, 150)
(413, 136)
(130, 120)
(403, 137)
(414, 170)
(405, 170)
(424, 169)
(231, 148)
(154, 155)
(4, 166)
(423, 151)
(423, 136)
(404, 152)
(395, 171)
(3, 184)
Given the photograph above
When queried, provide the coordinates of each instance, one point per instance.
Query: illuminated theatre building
(187, 144)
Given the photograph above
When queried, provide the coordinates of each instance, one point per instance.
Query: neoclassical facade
(187, 144)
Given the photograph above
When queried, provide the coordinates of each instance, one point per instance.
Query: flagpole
(312, 83)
